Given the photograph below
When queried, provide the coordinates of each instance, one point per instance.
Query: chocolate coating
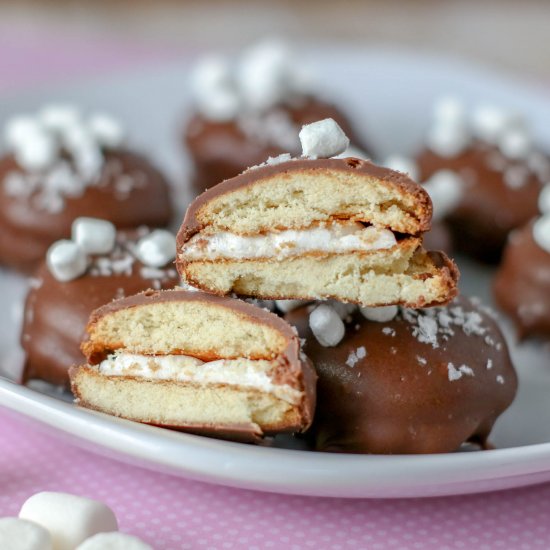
(130, 193)
(493, 203)
(522, 284)
(221, 150)
(400, 398)
(56, 313)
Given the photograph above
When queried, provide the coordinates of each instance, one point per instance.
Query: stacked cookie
(337, 244)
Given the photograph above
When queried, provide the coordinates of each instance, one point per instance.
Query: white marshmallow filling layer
(246, 373)
(336, 237)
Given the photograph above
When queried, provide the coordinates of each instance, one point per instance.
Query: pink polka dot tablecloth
(173, 514)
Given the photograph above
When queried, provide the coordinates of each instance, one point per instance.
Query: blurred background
(47, 40)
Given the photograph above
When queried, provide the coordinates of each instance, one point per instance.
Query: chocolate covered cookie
(395, 380)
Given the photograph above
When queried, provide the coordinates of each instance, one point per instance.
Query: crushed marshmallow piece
(70, 519)
(402, 164)
(93, 235)
(381, 314)
(289, 305)
(445, 188)
(20, 534)
(284, 157)
(66, 260)
(388, 331)
(345, 311)
(157, 249)
(323, 139)
(361, 352)
(352, 359)
(106, 130)
(353, 152)
(541, 232)
(326, 326)
(456, 374)
(544, 199)
(426, 331)
(114, 541)
(421, 360)
(500, 379)
(489, 365)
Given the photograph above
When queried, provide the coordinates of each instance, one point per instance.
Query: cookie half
(315, 229)
(197, 363)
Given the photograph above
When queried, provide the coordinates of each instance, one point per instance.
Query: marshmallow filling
(241, 372)
(336, 237)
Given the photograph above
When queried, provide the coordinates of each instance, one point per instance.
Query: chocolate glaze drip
(56, 313)
(26, 231)
(490, 208)
(399, 398)
(522, 284)
(221, 150)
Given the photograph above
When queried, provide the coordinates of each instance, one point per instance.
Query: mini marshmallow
(114, 541)
(402, 164)
(66, 260)
(343, 310)
(93, 235)
(36, 153)
(541, 232)
(219, 105)
(515, 144)
(157, 249)
(289, 305)
(381, 314)
(544, 199)
(323, 139)
(326, 325)
(449, 110)
(489, 122)
(58, 118)
(20, 534)
(355, 152)
(445, 188)
(20, 129)
(70, 519)
(447, 140)
(210, 74)
(106, 130)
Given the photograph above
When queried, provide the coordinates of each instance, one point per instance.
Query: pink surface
(177, 514)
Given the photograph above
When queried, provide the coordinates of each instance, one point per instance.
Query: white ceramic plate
(391, 94)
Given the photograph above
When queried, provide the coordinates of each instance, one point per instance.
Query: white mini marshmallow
(157, 249)
(381, 314)
(20, 129)
(93, 235)
(323, 139)
(66, 260)
(449, 110)
(343, 310)
(402, 164)
(541, 232)
(38, 152)
(289, 305)
(107, 131)
(515, 143)
(219, 105)
(445, 188)
(544, 199)
(264, 75)
(70, 519)
(114, 541)
(326, 325)
(352, 151)
(448, 140)
(210, 74)
(59, 117)
(20, 534)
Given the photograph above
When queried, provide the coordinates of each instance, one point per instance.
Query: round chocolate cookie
(425, 381)
(55, 173)
(251, 108)
(502, 172)
(522, 283)
(57, 311)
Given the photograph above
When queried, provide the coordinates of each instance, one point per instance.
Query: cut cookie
(314, 229)
(198, 363)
